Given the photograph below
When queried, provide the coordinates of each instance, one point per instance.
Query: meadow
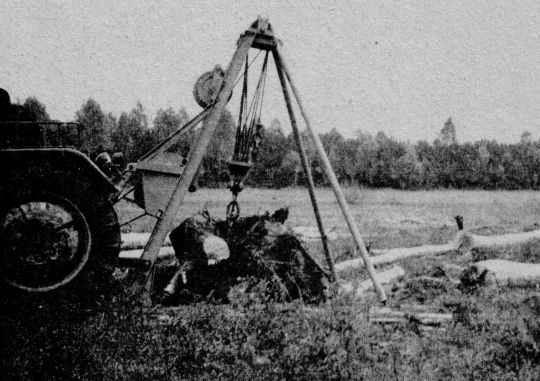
(495, 333)
(388, 218)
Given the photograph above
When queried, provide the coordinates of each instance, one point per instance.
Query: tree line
(365, 160)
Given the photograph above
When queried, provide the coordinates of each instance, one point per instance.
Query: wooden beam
(306, 166)
(389, 316)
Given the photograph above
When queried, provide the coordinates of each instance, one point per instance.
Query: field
(387, 218)
(495, 333)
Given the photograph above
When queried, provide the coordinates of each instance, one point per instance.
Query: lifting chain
(248, 137)
(233, 209)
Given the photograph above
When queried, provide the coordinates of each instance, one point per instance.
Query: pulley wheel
(207, 86)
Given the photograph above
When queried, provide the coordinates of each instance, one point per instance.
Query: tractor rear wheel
(59, 246)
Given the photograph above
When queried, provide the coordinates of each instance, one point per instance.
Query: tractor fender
(51, 168)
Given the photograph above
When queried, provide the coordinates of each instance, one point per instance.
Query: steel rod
(335, 185)
(305, 164)
(173, 138)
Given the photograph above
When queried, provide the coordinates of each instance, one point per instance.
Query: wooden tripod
(258, 36)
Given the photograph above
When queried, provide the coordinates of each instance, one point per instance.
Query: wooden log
(385, 277)
(132, 241)
(385, 315)
(164, 253)
(467, 241)
(502, 273)
(394, 255)
(463, 242)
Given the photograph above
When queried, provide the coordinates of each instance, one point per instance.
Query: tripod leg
(306, 167)
(335, 185)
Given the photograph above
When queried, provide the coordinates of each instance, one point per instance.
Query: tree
(333, 143)
(35, 110)
(219, 151)
(267, 171)
(348, 159)
(109, 125)
(93, 134)
(292, 164)
(388, 152)
(367, 153)
(406, 169)
(447, 136)
(426, 156)
(526, 137)
(132, 136)
(167, 121)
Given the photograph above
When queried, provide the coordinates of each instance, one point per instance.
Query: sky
(401, 67)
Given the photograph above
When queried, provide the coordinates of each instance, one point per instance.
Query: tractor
(59, 232)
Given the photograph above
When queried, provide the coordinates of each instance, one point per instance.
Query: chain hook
(233, 209)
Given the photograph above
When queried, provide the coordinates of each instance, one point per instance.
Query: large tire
(58, 245)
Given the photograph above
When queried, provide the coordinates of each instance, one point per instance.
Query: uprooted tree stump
(260, 250)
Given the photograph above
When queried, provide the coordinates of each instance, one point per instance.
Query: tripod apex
(261, 25)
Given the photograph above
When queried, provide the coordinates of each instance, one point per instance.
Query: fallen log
(463, 242)
(502, 273)
(385, 315)
(132, 241)
(397, 254)
(385, 277)
(467, 241)
(166, 252)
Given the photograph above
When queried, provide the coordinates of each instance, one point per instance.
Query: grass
(496, 333)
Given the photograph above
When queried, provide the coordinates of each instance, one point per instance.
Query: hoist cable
(241, 76)
(249, 116)
(256, 98)
(243, 101)
(256, 106)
